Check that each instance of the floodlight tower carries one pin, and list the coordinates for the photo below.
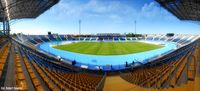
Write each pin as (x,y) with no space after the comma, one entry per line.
(79,27)
(135,27)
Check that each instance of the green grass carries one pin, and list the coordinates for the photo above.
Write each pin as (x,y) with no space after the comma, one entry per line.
(108,48)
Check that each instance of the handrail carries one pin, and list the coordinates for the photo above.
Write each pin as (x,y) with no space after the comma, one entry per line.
(100,85)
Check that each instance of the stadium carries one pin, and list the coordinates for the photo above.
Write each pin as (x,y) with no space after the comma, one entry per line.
(97,61)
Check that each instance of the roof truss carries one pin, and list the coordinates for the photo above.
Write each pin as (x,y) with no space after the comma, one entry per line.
(183,9)
(18,9)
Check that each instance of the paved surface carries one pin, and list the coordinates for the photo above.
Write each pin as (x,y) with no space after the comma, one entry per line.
(10,75)
(116,83)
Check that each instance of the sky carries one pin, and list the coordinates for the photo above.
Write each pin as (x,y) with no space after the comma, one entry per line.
(105,16)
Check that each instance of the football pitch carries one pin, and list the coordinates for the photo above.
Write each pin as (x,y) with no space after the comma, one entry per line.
(107,48)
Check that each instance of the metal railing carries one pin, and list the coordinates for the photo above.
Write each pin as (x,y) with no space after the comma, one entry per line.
(100,86)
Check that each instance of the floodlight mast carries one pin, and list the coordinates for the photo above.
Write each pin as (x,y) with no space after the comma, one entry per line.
(79,27)
(135,27)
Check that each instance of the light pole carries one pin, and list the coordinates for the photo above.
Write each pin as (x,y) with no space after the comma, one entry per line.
(135,27)
(79,27)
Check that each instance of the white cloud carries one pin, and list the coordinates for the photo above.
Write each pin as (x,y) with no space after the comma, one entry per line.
(114,10)
(92,8)
(103,7)
(152,10)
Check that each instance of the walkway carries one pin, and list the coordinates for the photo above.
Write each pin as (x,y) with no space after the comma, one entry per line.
(116,83)
(10,75)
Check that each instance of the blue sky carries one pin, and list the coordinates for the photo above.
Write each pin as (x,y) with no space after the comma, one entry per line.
(105,16)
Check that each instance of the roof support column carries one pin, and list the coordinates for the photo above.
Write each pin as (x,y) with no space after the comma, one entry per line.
(7,28)
(4,30)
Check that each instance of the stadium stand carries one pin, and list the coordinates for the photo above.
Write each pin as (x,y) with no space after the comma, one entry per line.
(62,37)
(43,38)
(37,39)
(61,77)
(53,75)
(4,50)
(177,69)
(20,77)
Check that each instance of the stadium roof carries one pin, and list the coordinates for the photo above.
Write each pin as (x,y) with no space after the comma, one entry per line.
(18,9)
(183,9)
